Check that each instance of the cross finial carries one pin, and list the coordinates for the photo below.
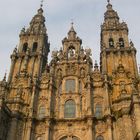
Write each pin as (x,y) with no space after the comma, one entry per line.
(108,1)
(72,23)
(41,5)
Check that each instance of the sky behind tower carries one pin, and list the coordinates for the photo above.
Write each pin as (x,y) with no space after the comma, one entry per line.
(87,16)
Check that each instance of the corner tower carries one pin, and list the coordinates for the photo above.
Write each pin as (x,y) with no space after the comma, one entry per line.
(29,60)
(31,54)
(115,45)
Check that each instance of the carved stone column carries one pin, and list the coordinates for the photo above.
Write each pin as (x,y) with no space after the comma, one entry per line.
(136,112)
(39,63)
(13,61)
(109,123)
(27,135)
(20,64)
(135,62)
(90,130)
(47,131)
(13,129)
(104,62)
(89,88)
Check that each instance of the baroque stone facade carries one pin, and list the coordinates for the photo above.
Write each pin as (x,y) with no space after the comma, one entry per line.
(69,98)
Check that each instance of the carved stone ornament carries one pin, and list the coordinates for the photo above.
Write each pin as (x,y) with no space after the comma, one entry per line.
(100,127)
(71,69)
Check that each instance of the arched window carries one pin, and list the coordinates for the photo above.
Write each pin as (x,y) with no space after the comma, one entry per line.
(42,111)
(70,85)
(70,109)
(111,43)
(25,46)
(98,111)
(75,138)
(64,138)
(35,45)
(100,138)
(121,42)
(71,52)
(72,138)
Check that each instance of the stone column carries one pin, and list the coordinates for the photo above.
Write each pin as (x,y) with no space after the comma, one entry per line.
(20,64)
(27,135)
(109,123)
(106,97)
(39,64)
(25,62)
(47,133)
(136,112)
(135,63)
(90,130)
(88,97)
(13,61)
(29,122)
(13,130)
(33,64)
(104,62)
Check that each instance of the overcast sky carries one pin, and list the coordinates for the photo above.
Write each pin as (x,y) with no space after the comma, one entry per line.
(86,14)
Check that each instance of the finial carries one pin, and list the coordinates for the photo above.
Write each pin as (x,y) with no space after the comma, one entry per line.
(108,1)
(4,78)
(41,5)
(72,28)
(72,23)
(96,66)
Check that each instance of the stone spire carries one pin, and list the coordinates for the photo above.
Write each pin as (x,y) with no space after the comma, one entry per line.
(111,13)
(37,24)
(111,19)
(72,33)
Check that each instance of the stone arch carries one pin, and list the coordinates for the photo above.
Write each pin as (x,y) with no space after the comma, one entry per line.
(66,137)
(71,51)
(111,42)
(34,47)
(25,46)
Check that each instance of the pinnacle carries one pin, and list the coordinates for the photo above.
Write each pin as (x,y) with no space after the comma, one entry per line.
(72,28)
(72,32)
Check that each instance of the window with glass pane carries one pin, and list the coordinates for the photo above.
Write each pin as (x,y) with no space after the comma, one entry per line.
(98,111)
(42,111)
(70,85)
(70,109)
(74,138)
(80,87)
(100,138)
(64,138)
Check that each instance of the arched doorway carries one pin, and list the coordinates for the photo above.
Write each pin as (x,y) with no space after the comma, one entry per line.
(69,138)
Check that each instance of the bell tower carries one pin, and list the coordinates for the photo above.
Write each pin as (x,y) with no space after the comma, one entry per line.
(31,54)
(118,62)
(115,45)
(28,62)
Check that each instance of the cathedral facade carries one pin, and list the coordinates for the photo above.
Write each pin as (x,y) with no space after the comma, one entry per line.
(70,98)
